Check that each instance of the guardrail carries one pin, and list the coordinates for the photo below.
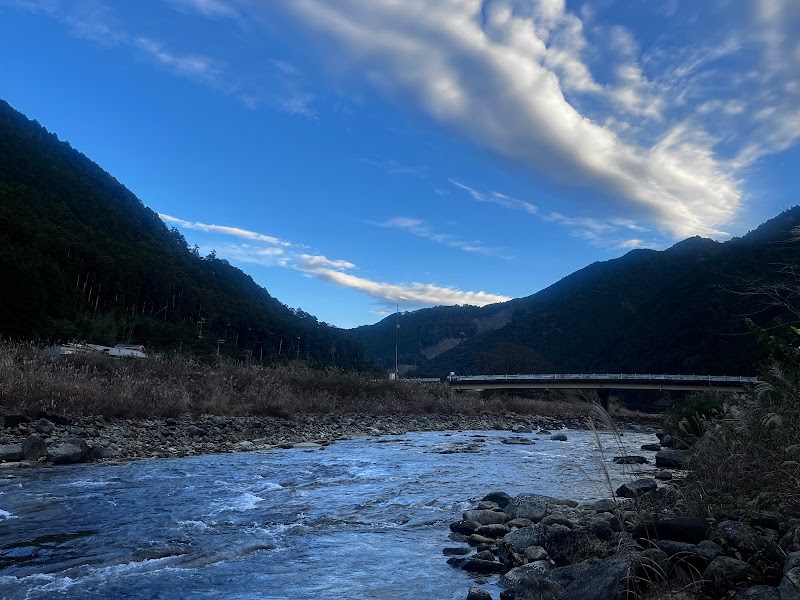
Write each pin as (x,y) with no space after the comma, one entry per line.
(605,377)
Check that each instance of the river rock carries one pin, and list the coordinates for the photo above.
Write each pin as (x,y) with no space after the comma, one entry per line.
(466,527)
(195,431)
(34,448)
(634,489)
(44,426)
(523,538)
(485,517)
(726,573)
(604,505)
(64,453)
(12,418)
(694,555)
(456,551)
(669,458)
(570,547)
(476,593)
(518,523)
(530,506)
(632,459)
(790,584)
(534,553)
(494,530)
(501,498)
(651,447)
(11,453)
(758,592)
(476,565)
(662,475)
(559,437)
(602,580)
(739,536)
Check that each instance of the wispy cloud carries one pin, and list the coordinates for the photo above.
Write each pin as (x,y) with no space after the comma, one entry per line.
(409,295)
(393,167)
(497,198)
(193,66)
(280,253)
(420,229)
(207,8)
(224,230)
(518,78)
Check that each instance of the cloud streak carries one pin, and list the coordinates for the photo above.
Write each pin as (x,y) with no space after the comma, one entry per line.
(515,77)
(420,229)
(285,254)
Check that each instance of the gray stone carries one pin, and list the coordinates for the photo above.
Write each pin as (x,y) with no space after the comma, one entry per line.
(559,437)
(34,448)
(534,553)
(739,536)
(485,517)
(64,453)
(530,581)
(484,555)
(662,475)
(517,523)
(522,429)
(601,528)
(726,573)
(557,520)
(634,489)
(487,505)
(479,540)
(535,535)
(697,556)
(195,431)
(630,460)
(101,452)
(758,592)
(509,555)
(456,551)
(476,593)
(494,530)
(44,426)
(790,583)
(605,505)
(669,458)
(530,506)
(11,453)
(570,547)
(476,565)
(601,580)
(13,418)
(501,498)
(466,527)
(651,447)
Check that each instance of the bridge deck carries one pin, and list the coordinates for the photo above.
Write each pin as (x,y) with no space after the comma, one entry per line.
(639,381)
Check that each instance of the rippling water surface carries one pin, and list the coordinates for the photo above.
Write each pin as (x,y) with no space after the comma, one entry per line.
(365,518)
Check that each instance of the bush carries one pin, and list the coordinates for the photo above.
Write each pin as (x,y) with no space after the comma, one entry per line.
(688,418)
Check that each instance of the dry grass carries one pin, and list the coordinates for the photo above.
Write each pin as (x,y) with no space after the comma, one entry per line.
(94,384)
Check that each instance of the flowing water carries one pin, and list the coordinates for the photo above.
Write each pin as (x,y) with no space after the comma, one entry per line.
(365,518)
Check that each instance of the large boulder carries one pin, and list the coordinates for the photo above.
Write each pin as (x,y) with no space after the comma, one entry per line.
(606,579)
(570,547)
(12,418)
(631,459)
(669,458)
(11,452)
(790,584)
(500,498)
(64,453)
(495,530)
(634,489)
(530,506)
(44,426)
(535,535)
(726,573)
(465,527)
(758,592)
(485,517)
(476,593)
(34,448)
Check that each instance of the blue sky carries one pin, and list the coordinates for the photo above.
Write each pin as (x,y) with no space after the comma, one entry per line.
(355,154)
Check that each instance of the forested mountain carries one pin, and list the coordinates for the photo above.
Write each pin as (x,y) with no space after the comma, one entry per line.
(82,258)
(680,310)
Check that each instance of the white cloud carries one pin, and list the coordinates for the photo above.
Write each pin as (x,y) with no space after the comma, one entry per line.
(283,254)
(498,73)
(420,229)
(208,8)
(193,66)
(497,198)
(224,230)
(413,295)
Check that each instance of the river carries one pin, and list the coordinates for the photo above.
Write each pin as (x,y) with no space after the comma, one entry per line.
(364,518)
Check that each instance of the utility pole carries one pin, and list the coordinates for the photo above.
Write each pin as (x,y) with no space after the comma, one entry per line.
(396,332)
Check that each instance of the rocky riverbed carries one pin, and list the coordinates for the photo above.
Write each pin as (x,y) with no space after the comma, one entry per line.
(630,546)
(44,438)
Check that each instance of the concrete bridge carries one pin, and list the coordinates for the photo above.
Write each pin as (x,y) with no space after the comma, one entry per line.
(602,382)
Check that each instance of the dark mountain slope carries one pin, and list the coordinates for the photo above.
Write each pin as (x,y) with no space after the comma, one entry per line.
(82,257)
(680,311)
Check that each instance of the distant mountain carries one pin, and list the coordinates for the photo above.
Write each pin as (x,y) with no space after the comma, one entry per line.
(680,310)
(82,258)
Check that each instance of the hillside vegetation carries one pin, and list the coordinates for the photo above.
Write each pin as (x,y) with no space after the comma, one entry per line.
(82,258)
(681,310)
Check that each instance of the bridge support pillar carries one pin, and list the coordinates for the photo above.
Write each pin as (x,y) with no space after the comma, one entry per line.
(603,395)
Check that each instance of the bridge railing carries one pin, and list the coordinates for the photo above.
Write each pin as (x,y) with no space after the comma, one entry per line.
(605,377)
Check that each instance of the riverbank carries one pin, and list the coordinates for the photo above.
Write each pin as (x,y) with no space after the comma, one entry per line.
(51,438)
